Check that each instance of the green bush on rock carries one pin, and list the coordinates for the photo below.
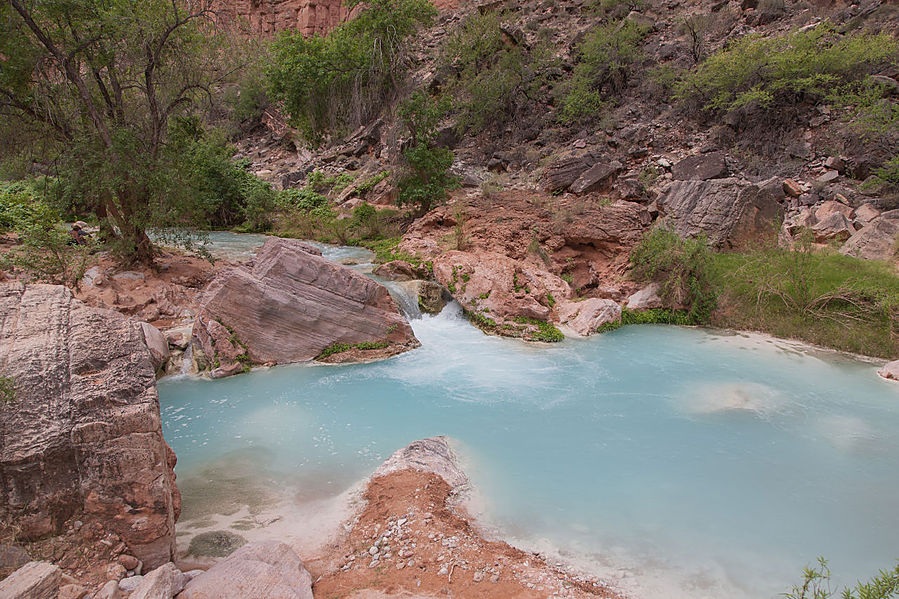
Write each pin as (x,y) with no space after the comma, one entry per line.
(681,267)
(334,82)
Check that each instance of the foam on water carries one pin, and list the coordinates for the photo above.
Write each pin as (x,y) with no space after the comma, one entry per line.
(680,462)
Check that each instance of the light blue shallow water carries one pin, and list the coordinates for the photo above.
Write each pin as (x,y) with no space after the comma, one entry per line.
(703,464)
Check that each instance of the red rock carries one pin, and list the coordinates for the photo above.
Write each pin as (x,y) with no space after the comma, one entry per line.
(792,188)
(83,435)
(288,307)
(267,17)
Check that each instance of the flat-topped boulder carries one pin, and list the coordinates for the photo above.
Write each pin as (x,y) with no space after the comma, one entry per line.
(81,435)
(290,305)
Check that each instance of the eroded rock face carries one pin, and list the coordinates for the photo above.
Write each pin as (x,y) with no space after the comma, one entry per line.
(267,17)
(82,435)
(291,305)
(730,211)
(261,569)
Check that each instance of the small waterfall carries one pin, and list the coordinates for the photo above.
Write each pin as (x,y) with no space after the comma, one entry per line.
(405,294)
(187,359)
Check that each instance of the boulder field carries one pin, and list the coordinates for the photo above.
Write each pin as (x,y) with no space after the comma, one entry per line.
(80,430)
(291,305)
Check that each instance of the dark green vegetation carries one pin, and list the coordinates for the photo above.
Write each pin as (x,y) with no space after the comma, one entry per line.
(7,389)
(816,585)
(805,293)
(605,63)
(45,252)
(339,81)
(426,179)
(94,88)
(339,348)
(781,70)
(496,79)
(681,267)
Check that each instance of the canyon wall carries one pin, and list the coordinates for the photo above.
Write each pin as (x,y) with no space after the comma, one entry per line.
(267,17)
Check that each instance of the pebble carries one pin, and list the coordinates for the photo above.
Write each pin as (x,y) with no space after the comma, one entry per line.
(478,576)
(400,565)
(373,550)
(374,563)
(443,571)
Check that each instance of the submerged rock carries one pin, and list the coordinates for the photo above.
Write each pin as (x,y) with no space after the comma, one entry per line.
(217,543)
(261,569)
(427,455)
(82,433)
(290,306)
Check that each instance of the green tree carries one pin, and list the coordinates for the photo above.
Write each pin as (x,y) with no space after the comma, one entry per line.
(427,178)
(97,82)
(329,83)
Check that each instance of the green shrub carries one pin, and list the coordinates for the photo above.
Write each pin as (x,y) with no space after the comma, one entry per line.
(497,79)
(816,585)
(605,63)
(7,389)
(681,267)
(771,72)
(888,174)
(820,297)
(46,252)
(341,80)
(426,180)
(223,192)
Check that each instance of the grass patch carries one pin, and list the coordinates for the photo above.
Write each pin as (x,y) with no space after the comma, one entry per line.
(823,298)
(7,389)
(339,348)
(546,331)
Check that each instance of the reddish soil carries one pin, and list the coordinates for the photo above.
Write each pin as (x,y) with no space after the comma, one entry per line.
(163,295)
(427,547)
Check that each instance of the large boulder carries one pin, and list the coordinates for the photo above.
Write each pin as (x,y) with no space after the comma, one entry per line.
(559,175)
(876,241)
(267,569)
(586,316)
(82,435)
(427,455)
(596,177)
(731,212)
(701,167)
(34,580)
(289,306)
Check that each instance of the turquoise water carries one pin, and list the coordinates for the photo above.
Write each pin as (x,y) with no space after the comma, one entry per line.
(688,462)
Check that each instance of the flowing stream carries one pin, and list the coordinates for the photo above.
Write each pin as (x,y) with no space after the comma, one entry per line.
(679,462)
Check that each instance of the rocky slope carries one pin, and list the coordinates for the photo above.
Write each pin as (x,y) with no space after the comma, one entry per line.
(291,305)
(549,211)
(81,435)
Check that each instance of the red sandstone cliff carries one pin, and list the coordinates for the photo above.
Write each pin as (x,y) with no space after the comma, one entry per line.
(267,17)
